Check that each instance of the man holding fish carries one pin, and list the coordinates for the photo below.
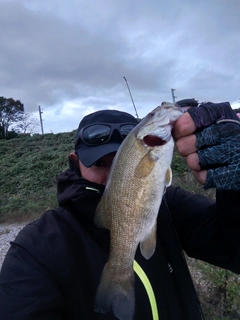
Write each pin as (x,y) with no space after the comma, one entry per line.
(114,247)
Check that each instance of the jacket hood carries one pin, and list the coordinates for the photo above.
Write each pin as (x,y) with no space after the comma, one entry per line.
(79,194)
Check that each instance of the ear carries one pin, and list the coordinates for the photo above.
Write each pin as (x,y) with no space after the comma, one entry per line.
(74,162)
(73,156)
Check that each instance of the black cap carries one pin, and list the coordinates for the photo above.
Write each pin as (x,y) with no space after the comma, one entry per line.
(188,102)
(87,154)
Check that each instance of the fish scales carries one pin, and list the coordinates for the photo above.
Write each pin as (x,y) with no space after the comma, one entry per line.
(129,206)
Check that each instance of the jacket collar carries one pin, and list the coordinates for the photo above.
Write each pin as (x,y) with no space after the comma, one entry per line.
(81,195)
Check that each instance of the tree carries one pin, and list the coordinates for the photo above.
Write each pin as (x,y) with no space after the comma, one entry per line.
(27,124)
(11,111)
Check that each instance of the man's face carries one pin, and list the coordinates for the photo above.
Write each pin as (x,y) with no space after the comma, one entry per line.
(98,172)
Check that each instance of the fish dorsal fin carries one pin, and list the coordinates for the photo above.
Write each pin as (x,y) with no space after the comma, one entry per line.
(99,217)
(148,245)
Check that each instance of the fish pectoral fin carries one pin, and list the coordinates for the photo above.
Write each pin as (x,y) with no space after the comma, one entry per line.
(168,177)
(144,167)
(168,180)
(148,245)
(99,217)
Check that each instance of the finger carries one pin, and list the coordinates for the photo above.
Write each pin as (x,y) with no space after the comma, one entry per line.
(214,134)
(223,154)
(193,162)
(200,176)
(186,145)
(224,178)
(183,126)
(208,137)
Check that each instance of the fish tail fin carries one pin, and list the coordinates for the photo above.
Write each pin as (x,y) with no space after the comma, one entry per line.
(116,294)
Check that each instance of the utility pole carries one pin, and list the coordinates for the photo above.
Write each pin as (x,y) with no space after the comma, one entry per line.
(131,98)
(173,96)
(40,115)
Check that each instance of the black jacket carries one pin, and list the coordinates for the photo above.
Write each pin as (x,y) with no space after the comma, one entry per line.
(53,267)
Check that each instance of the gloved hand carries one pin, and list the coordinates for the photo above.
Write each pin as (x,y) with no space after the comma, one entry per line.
(209,113)
(217,142)
(219,153)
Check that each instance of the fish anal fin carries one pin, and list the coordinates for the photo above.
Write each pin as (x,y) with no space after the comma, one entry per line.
(144,167)
(148,245)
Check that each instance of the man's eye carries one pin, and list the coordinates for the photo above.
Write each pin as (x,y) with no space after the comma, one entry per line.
(99,163)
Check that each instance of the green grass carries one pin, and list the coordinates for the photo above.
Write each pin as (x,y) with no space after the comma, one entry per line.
(29,166)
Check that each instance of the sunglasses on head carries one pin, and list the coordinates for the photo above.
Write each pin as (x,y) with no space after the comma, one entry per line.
(100,133)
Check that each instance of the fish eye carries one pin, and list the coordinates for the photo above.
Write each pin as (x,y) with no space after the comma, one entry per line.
(151,115)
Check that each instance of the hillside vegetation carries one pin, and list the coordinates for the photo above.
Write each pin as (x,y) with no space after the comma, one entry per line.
(29,166)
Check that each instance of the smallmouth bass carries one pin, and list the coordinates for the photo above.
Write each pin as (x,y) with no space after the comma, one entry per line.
(129,207)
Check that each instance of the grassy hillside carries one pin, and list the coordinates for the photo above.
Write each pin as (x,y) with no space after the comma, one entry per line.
(29,165)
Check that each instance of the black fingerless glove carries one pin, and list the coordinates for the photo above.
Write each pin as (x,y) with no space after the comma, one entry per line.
(209,113)
(219,153)
(218,143)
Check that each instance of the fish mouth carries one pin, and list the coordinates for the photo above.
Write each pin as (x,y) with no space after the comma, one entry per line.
(153,141)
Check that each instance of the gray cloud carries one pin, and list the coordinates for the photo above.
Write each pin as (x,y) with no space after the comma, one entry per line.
(57,53)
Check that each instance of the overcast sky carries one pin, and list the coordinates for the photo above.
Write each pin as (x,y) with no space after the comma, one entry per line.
(70,56)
